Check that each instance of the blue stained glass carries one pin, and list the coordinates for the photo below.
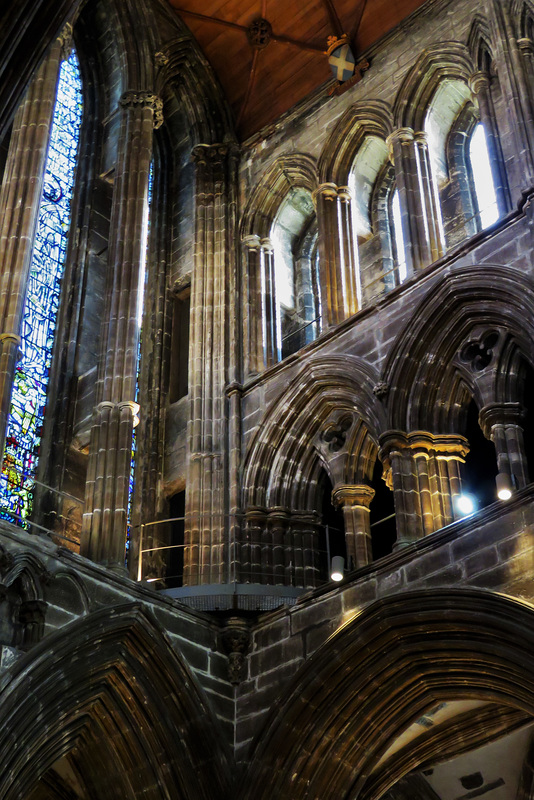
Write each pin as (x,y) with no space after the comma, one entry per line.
(28,399)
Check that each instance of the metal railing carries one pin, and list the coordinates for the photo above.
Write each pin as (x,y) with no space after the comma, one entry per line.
(60,511)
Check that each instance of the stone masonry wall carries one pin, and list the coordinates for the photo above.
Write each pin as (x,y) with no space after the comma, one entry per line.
(492,551)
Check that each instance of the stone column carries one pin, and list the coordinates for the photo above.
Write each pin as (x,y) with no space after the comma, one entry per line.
(480,85)
(356,501)
(253,314)
(278,521)
(421,226)
(423,471)
(502,423)
(211,357)
(114,417)
(429,191)
(19,207)
(272,346)
(510,67)
(338,262)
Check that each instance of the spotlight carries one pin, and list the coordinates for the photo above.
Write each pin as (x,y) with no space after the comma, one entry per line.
(465,504)
(338,565)
(504,486)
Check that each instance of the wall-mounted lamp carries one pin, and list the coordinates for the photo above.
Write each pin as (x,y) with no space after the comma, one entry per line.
(465,504)
(504,486)
(336,571)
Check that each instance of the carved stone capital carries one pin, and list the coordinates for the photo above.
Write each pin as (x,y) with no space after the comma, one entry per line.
(266,245)
(132,100)
(326,190)
(359,495)
(526,46)
(213,154)
(403,137)
(344,193)
(500,414)
(251,242)
(236,641)
(479,82)
(422,443)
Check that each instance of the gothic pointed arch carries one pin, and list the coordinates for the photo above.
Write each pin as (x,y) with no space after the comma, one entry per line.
(370,118)
(522,11)
(287,172)
(374,677)
(184,74)
(430,373)
(450,60)
(111,684)
(328,413)
(479,43)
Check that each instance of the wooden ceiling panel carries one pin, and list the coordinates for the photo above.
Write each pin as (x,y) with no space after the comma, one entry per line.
(285,73)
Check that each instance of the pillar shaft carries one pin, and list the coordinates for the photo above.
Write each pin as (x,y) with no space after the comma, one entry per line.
(502,423)
(510,67)
(272,346)
(19,208)
(338,262)
(211,364)
(423,471)
(107,486)
(355,501)
(481,88)
(421,224)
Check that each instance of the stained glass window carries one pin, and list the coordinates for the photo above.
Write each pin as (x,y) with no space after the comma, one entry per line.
(28,399)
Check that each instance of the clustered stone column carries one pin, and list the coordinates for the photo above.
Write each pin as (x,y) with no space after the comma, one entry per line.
(339,256)
(19,207)
(280,547)
(355,502)
(513,76)
(480,85)
(264,346)
(421,223)
(502,423)
(114,417)
(423,470)
(207,553)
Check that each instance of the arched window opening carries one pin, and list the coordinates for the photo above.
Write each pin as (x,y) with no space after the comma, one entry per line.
(379,235)
(397,237)
(460,162)
(480,469)
(28,400)
(294,238)
(485,196)
(332,535)
(382,515)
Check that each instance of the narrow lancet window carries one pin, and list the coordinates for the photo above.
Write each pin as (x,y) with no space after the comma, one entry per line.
(482,178)
(28,398)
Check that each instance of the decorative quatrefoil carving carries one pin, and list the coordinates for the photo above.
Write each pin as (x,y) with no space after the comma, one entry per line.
(335,434)
(478,354)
